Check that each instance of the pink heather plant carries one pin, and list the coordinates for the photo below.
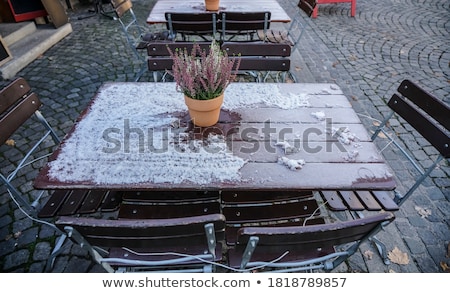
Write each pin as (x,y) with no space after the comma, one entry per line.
(201,75)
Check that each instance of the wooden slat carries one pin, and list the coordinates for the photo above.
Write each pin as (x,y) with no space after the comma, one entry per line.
(112,201)
(368,200)
(351,200)
(385,200)
(250,196)
(20,113)
(430,104)
(169,196)
(73,202)
(439,138)
(333,200)
(54,203)
(92,201)
(14,91)
(148,211)
(269,212)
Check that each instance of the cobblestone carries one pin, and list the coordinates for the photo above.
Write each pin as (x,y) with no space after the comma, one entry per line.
(367,56)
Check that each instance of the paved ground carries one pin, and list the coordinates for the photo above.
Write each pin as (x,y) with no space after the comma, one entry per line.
(367,56)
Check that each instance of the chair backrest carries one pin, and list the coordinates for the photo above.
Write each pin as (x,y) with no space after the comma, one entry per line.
(243,23)
(130,25)
(203,25)
(167,204)
(303,245)
(307,6)
(159,59)
(260,56)
(429,116)
(156,244)
(17,104)
(256,208)
(426,113)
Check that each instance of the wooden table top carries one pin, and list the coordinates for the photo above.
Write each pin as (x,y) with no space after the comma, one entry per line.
(297,136)
(162,6)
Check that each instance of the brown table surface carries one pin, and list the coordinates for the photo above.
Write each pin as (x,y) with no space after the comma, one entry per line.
(137,136)
(162,6)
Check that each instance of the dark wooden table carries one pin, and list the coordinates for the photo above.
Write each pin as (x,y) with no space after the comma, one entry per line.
(161,6)
(137,136)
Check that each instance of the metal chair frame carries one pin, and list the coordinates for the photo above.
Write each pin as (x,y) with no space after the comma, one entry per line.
(133,31)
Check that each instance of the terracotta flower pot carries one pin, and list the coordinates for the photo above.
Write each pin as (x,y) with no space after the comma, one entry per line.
(204,112)
(212,5)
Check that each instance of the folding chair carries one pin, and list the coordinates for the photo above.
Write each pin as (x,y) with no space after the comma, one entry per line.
(286,232)
(155,231)
(237,24)
(297,248)
(187,244)
(203,25)
(135,34)
(295,31)
(17,104)
(429,116)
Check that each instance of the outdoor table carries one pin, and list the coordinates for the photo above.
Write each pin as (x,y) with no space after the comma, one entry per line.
(290,136)
(195,6)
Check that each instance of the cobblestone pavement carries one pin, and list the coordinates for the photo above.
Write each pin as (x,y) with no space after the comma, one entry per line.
(367,56)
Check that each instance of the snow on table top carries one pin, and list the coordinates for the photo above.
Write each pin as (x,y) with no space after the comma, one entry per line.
(104,147)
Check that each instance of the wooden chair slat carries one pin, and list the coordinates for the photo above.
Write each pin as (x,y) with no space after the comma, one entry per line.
(430,104)
(111,201)
(439,138)
(169,196)
(368,200)
(333,200)
(351,200)
(249,196)
(13,92)
(53,204)
(268,213)
(14,118)
(384,198)
(73,202)
(150,211)
(92,201)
